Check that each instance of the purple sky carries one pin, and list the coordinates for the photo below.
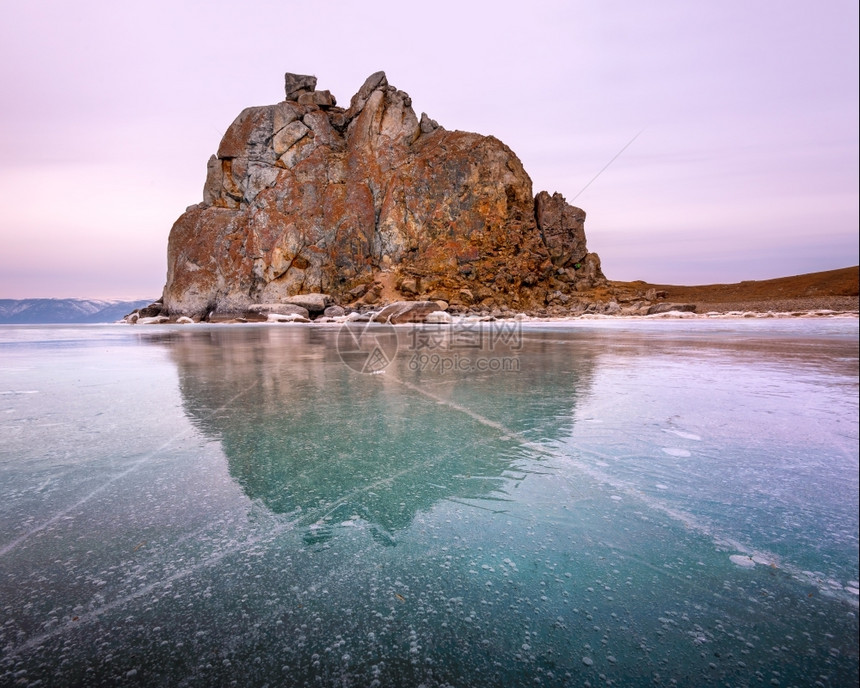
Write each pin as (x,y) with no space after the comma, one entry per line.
(745,168)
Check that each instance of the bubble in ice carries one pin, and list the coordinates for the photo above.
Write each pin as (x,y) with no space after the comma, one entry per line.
(661,486)
(676,451)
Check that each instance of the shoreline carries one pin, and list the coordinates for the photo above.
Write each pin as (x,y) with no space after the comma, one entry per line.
(525,318)
(820,294)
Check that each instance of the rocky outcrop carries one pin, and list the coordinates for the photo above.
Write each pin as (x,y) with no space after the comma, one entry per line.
(562,228)
(314,303)
(667,307)
(401,312)
(307,197)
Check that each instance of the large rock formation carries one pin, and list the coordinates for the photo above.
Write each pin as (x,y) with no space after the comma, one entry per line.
(307,197)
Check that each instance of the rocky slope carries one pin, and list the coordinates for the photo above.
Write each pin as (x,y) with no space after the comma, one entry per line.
(367,204)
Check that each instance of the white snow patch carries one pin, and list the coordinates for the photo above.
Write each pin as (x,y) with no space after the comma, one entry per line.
(742,560)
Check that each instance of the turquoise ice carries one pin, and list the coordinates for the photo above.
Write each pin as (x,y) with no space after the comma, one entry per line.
(633,503)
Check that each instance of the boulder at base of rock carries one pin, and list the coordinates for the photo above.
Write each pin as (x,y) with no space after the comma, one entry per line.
(151,310)
(288,318)
(666,307)
(315,303)
(401,312)
(278,309)
(438,317)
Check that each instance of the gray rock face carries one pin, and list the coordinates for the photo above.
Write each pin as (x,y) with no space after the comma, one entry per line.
(214,181)
(289,136)
(296,84)
(249,135)
(375,81)
(151,310)
(562,227)
(314,303)
(428,126)
(590,273)
(323,99)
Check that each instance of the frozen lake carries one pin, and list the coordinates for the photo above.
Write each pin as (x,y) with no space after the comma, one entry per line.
(593,503)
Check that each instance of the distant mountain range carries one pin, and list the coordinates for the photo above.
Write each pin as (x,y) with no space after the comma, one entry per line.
(48,311)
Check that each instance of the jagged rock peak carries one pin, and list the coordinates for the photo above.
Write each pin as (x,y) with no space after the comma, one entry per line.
(428,125)
(369,203)
(296,84)
(375,81)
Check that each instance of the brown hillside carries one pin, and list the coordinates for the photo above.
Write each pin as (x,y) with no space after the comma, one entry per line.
(832,290)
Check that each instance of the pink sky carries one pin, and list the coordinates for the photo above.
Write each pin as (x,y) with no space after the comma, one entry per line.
(745,168)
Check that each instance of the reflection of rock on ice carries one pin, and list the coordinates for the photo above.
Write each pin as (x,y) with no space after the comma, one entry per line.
(317,533)
(306,435)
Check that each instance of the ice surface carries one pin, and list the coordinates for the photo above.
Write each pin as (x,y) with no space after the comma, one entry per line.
(208,505)
(685,435)
(677,451)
